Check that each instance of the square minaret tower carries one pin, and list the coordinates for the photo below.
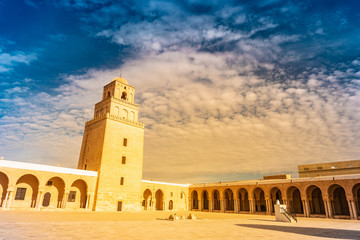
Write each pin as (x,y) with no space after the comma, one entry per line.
(113,145)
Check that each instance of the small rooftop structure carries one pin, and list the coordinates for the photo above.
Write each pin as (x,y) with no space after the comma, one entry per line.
(329,169)
(279,176)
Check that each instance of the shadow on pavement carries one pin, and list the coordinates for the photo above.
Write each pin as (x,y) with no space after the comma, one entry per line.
(309,231)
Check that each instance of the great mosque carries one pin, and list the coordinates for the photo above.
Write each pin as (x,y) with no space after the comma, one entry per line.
(109,177)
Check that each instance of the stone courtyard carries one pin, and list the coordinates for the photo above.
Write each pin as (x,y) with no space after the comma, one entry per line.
(154,225)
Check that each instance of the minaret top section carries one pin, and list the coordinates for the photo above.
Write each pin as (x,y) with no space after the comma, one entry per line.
(119,89)
(120,79)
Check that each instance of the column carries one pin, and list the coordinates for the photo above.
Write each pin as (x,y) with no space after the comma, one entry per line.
(326,209)
(252,205)
(6,199)
(307,208)
(87,201)
(236,205)
(200,205)
(10,198)
(40,200)
(210,204)
(266,205)
(329,207)
(285,201)
(222,207)
(354,210)
(350,209)
(271,206)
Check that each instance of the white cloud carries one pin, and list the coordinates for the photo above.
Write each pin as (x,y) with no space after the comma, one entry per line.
(204,116)
(9,60)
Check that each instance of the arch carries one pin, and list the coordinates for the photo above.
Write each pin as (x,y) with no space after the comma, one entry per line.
(259,198)
(275,195)
(30,183)
(124,96)
(147,195)
(132,116)
(338,200)
(356,195)
(46,200)
(4,184)
(229,199)
(124,113)
(195,201)
(56,187)
(244,200)
(79,189)
(171,205)
(294,198)
(182,204)
(316,202)
(205,200)
(159,198)
(116,111)
(216,200)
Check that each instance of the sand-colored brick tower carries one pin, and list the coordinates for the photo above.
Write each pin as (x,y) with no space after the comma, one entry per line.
(113,145)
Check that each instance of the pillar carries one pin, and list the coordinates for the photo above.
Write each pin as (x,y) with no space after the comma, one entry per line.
(6,199)
(210,204)
(40,199)
(350,209)
(252,205)
(222,206)
(307,208)
(286,203)
(88,201)
(65,198)
(10,198)
(326,209)
(200,204)
(236,205)
(355,214)
(271,206)
(266,205)
(329,207)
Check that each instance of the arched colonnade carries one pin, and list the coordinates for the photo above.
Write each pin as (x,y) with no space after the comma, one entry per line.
(327,199)
(30,190)
(162,200)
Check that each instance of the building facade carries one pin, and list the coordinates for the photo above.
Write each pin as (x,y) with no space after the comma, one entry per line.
(109,177)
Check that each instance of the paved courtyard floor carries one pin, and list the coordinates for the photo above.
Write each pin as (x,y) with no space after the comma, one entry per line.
(152,225)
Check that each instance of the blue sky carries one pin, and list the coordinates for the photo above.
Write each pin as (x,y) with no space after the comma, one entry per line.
(236,89)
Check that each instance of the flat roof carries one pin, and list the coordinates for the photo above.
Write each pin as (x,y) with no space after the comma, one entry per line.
(165,183)
(45,168)
(272,181)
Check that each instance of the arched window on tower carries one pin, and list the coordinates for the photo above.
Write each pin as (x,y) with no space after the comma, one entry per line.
(132,116)
(116,111)
(124,114)
(123,96)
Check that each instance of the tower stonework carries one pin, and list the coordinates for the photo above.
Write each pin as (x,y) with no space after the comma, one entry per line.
(113,145)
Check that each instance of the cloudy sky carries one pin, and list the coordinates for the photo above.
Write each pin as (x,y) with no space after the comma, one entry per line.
(229,90)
